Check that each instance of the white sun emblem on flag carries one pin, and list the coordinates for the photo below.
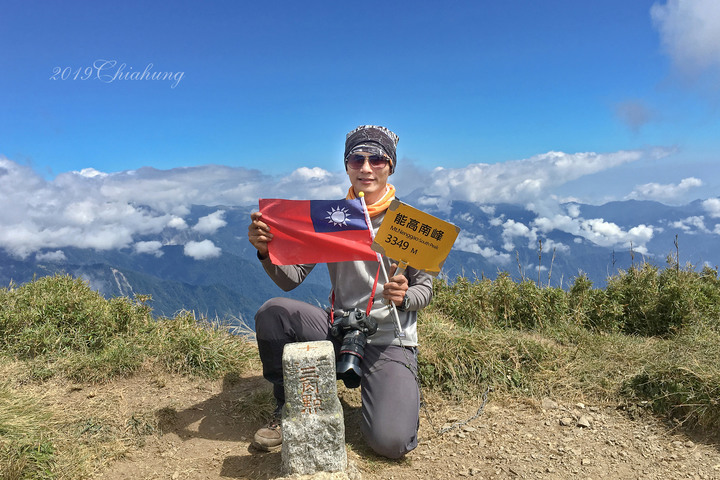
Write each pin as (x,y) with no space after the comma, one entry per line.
(338,216)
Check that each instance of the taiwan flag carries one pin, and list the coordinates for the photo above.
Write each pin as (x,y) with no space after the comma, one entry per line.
(316,231)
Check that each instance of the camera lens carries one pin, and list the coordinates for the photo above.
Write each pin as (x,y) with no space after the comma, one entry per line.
(353,327)
(351,353)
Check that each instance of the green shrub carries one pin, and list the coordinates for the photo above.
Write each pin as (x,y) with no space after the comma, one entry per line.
(62,314)
(58,324)
(709,298)
(593,308)
(663,303)
(538,307)
(681,387)
(637,290)
(122,356)
(458,360)
(503,293)
(185,345)
(464,301)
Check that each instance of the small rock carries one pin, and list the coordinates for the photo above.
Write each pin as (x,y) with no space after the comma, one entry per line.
(474,471)
(584,421)
(689,444)
(580,406)
(585,462)
(566,421)
(548,404)
(468,429)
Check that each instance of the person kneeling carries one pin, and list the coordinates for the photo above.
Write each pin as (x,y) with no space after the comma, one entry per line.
(388,371)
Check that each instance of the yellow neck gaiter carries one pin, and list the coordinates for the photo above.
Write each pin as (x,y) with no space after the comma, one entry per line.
(381,205)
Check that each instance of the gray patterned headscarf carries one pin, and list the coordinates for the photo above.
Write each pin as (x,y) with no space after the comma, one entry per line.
(372,139)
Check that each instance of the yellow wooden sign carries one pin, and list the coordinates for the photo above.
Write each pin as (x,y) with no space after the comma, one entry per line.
(413,237)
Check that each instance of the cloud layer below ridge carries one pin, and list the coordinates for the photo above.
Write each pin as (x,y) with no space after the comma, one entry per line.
(124,210)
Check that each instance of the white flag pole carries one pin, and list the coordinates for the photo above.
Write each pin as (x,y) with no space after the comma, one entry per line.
(398,328)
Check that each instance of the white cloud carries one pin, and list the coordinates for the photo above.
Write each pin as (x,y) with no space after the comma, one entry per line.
(177,223)
(92,209)
(489,209)
(512,229)
(573,210)
(465,217)
(202,250)
(524,181)
(152,248)
(210,224)
(712,206)
(608,234)
(474,244)
(690,32)
(691,224)
(434,201)
(556,222)
(497,221)
(667,192)
(313,183)
(56,256)
(596,230)
(91,173)
(640,234)
(548,245)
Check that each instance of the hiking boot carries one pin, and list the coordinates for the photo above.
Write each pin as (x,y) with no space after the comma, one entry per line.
(269,437)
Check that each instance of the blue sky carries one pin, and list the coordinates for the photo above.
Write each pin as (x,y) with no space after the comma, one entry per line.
(262,94)
(278,86)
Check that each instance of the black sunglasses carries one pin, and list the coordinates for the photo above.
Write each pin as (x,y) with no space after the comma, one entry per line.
(357,160)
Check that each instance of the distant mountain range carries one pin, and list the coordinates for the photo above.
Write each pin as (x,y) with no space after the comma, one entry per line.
(595,240)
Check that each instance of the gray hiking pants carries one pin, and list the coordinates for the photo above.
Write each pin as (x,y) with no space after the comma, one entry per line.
(389,390)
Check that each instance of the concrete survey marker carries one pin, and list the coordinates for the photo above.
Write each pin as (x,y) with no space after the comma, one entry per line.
(313,425)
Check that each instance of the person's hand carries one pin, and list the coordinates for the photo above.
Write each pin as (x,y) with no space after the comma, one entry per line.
(394,290)
(259,234)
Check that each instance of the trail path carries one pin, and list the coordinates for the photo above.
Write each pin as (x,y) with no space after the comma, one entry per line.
(209,439)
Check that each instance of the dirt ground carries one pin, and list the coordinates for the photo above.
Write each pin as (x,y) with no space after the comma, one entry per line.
(206,438)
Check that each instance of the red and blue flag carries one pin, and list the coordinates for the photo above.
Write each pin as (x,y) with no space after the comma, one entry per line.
(317,231)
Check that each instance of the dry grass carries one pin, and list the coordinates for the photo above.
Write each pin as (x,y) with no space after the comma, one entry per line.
(60,345)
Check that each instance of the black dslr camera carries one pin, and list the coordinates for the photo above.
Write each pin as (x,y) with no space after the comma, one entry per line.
(353,327)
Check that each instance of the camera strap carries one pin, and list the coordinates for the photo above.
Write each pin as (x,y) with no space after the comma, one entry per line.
(370,301)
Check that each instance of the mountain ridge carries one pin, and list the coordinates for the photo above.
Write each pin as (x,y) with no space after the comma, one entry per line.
(494,238)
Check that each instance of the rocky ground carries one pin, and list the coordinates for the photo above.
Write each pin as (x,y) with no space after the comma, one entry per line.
(206,436)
